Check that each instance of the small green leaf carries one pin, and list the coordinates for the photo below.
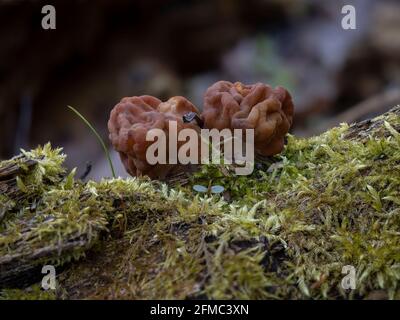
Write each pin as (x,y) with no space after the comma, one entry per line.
(303,287)
(381,280)
(393,199)
(376,203)
(392,130)
(69,182)
(21,185)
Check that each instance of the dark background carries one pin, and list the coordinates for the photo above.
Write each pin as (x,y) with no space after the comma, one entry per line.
(103,50)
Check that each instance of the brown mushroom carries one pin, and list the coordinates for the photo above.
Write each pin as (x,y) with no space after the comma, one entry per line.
(133,117)
(237,106)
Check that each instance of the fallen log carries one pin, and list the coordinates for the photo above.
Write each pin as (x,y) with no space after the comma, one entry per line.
(287,231)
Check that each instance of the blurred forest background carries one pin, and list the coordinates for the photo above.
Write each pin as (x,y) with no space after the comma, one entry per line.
(104,50)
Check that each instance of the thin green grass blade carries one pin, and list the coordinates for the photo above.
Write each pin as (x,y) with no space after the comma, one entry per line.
(98,138)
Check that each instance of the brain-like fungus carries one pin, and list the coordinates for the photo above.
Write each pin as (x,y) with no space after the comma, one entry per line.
(269,111)
(130,121)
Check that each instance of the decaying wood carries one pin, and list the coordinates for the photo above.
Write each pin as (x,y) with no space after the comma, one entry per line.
(367,108)
(373,105)
(8,181)
(8,174)
(361,130)
(18,269)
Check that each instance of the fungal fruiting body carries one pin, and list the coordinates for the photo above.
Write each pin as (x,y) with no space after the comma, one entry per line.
(263,113)
(130,121)
(269,111)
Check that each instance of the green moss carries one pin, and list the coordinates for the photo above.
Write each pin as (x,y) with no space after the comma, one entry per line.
(286,231)
(31,293)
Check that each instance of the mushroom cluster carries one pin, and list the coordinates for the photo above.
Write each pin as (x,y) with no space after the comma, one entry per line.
(269,111)
(266,110)
(133,117)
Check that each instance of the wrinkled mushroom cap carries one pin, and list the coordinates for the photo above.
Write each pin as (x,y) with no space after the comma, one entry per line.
(237,106)
(133,117)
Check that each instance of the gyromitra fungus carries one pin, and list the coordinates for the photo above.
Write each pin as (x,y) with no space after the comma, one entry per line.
(236,106)
(133,117)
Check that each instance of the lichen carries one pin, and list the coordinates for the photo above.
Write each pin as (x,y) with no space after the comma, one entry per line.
(284,232)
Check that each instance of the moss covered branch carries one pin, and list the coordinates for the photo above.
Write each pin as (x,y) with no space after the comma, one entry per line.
(286,231)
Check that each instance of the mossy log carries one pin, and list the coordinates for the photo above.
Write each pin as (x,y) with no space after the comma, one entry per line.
(286,231)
